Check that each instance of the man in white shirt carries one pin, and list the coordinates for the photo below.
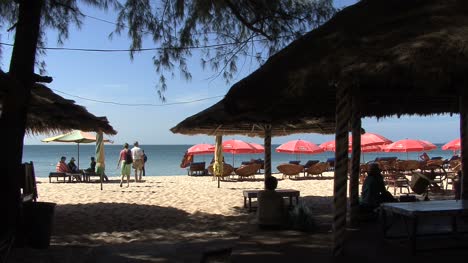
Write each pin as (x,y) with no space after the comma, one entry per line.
(138,162)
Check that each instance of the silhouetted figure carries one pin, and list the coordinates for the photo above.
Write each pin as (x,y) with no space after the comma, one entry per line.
(271,213)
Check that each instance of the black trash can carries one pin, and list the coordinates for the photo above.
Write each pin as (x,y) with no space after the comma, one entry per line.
(38,223)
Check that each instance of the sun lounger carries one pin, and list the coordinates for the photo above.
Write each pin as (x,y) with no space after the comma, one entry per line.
(290,169)
(317,169)
(197,168)
(247,171)
(227,170)
(57,175)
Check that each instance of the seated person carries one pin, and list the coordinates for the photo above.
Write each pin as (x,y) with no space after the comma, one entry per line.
(373,190)
(72,166)
(92,166)
(424,157)
(271,213)
(61,166)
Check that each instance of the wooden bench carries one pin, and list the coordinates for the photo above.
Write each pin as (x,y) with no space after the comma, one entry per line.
(57,175)
(249,194)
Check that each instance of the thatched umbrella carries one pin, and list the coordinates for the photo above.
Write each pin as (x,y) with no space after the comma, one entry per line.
(399,57)
(217,121)
(375,58)
(51,113)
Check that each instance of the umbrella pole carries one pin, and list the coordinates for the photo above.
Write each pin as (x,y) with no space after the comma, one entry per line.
(78,156)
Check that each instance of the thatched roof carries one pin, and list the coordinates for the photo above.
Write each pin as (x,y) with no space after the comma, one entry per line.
(399,57)
(216,121)
(51,113)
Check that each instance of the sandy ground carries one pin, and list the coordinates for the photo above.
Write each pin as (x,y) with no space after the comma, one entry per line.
(162,219)
(165,214)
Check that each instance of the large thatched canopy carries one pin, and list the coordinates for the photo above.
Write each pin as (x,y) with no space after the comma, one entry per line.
(49,113)
(399,57)
(215,120)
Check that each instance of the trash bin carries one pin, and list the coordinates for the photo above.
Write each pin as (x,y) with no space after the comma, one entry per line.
(38,223)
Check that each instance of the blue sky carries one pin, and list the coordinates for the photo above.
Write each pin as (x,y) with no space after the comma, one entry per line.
(114,77)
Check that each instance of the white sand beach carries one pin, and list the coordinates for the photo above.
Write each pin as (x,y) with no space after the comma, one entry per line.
(162,219)
(167,213)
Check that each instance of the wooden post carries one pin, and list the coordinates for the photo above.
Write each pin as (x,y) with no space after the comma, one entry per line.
(15,107)
(343,110)
(267,146)
(356,156)
(464,144)
(218,164)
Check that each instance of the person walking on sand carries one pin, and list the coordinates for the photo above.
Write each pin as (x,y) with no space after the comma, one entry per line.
(125,162)
(138,163)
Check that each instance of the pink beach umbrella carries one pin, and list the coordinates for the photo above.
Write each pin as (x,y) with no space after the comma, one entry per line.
(409,145)
(238,147)
(258,147)
(367,139)
(202,148)
(453,145)
(298,147)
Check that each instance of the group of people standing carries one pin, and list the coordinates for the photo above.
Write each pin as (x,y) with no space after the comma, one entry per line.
(134,158)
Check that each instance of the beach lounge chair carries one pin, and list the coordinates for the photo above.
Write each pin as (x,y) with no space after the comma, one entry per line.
(197,168)
(227,170)
(290,169)
(317,169)
(57,175)
(88,175)
(331,163)
(247,171)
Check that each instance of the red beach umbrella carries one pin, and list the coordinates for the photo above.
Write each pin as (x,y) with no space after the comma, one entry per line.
(409,145)
(367,139)
(453,145)
(258,147)
(202,148)
(299,146)
(238,147)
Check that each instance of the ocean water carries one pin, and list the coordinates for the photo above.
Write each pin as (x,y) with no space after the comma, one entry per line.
(165,159)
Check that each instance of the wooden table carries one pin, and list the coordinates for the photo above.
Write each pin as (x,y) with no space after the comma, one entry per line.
(283,192)
(412,212)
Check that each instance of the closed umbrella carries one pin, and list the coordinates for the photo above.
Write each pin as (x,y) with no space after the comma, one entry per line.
(75,136)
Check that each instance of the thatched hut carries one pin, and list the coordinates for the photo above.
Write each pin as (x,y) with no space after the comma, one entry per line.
(375,58)
(49,113)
